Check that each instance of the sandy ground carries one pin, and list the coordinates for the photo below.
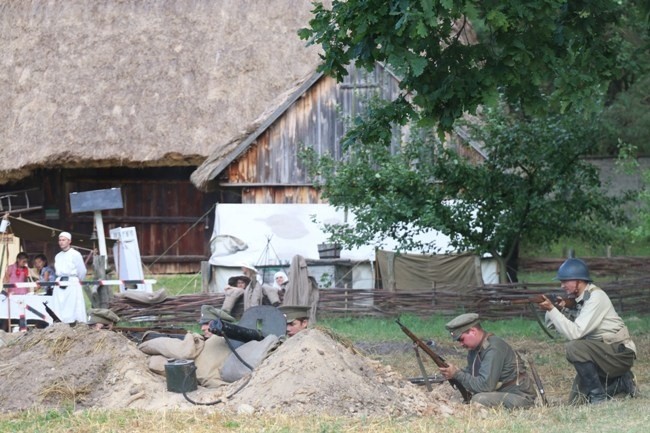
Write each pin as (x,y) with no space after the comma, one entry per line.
(311,373)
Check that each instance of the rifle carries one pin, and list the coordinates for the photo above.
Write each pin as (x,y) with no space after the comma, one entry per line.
(158,329)
(52,314)
(538,299)
(140,334)
(440,362)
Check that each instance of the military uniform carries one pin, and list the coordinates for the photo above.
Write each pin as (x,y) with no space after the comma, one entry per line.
(103,316)
(495,374)
(597,335)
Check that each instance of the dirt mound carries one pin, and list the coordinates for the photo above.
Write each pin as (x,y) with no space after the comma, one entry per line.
(310,373)
(78,367)
(313,373)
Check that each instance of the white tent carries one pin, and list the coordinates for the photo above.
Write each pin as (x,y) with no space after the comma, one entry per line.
(271,234)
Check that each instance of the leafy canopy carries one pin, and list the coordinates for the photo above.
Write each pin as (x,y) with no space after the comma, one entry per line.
(534,184)
(525,49)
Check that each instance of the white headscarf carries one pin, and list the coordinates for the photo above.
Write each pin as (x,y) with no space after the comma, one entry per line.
(275,277)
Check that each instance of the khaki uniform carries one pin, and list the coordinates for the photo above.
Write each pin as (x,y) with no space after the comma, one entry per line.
(496,375)
(597,334)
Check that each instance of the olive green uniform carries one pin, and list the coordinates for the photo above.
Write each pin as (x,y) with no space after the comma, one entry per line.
(496,375)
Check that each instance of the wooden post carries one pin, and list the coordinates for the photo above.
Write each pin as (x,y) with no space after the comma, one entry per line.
(206,276)
(104,293)
(99,296)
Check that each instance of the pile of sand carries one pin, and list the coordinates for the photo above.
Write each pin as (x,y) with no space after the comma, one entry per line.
(310,373)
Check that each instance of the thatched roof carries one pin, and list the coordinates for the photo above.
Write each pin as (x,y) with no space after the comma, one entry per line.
(224,155)
(136,83)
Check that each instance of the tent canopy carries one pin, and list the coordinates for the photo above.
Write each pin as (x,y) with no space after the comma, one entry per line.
(33,231)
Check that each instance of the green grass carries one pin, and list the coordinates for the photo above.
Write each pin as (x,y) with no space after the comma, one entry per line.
(616,417)
(583,249)
(180,284)
(385,329)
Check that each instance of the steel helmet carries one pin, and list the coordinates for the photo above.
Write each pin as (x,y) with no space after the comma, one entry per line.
(573,269)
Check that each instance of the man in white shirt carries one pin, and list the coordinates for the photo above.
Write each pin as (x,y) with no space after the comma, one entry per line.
(68,300)
(599,347)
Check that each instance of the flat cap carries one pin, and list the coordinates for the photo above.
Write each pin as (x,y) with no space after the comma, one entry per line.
(462,323)
(210,313)
(103,316)
(294,312)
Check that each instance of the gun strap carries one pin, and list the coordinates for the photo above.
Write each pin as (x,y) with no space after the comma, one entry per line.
(534,310)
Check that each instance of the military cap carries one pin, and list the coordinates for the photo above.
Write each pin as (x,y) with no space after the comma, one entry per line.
(232,281)
(294,312)
(103,316)
(462,323)
(210,313)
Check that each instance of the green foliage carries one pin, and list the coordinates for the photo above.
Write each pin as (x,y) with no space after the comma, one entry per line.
(524,49)
(627,119)
(533,185)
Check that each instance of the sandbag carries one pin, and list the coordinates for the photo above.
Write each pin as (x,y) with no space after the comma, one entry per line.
(252,352)
(210,361)
(173,348)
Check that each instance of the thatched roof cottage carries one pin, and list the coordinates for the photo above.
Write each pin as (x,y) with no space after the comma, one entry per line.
(136,94)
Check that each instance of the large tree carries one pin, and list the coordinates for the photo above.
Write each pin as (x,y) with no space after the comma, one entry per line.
(533,184)
(539,58)
(523,49)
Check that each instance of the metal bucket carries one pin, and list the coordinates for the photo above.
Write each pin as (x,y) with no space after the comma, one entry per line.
(181,375)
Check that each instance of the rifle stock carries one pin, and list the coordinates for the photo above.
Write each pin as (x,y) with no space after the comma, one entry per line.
(159,330)
(440,362)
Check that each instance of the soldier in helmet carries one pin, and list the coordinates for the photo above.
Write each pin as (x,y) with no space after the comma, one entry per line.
(599,348)
(495,374)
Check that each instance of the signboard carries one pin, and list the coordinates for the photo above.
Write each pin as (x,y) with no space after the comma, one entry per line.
(101,199)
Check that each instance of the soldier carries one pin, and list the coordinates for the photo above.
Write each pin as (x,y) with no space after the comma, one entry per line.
(495,374)
(297,318)
(599,348)
(102,318)
(210,313)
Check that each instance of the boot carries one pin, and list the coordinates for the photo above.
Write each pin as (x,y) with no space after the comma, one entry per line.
(590,382)
(624,384)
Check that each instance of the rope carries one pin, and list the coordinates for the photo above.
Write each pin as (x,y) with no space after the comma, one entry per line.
(183,235)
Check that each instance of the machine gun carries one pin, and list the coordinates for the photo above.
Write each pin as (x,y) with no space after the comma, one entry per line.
(440,362)
(234,332)
(255,324)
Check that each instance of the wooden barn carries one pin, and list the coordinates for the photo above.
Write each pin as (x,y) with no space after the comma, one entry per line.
(136,95)
(263,165)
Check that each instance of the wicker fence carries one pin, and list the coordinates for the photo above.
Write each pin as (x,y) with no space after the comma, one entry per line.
(492,302)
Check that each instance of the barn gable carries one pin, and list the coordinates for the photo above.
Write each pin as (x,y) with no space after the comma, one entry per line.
(263,166)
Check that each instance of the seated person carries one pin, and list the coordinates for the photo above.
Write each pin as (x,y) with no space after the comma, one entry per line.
(280,281)
(45,272)
(17,273)
(254,294)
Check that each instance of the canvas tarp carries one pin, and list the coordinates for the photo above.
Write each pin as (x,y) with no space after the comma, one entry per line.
(416,272)
(33,231)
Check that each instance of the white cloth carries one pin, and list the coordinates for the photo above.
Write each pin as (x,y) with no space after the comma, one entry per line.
(70,264)
(68,301)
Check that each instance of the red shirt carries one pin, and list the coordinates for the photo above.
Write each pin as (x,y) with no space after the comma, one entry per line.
(18,275)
